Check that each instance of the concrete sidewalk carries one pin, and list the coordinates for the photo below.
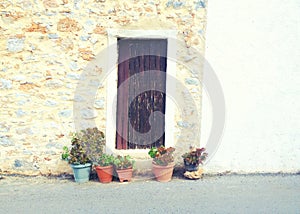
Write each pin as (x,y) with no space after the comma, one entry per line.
(278,193)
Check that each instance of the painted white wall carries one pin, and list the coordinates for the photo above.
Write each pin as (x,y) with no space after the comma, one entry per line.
(254,48)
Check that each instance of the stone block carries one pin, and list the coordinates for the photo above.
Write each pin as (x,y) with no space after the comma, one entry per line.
(15,44)
(65,113)
(18,163)
(99,104)
(6,141)
(5,84)
(88,113)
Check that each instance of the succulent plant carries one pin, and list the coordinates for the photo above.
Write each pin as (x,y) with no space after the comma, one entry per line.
(123,162)
(105,160)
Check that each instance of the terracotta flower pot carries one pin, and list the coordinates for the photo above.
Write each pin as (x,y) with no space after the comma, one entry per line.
(105,173)
(163,173)
(125,174)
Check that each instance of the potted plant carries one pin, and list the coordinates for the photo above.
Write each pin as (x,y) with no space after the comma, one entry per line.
(193,158)
(163,162)
(93,141)
(104,168)
(78,160)
(87,147)
(124,167)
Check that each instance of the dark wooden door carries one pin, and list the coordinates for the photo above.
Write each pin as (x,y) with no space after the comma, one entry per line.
(138,57)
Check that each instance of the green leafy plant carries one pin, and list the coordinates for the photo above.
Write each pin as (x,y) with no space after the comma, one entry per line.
(162,156)
(123,162)
(195,156)
(78,152)
(105,160)
(66,153)
(87,146)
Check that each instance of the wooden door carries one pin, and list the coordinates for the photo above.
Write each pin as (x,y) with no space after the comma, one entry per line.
(137,56)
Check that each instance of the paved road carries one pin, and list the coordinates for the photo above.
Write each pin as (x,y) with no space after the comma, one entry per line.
(212,194)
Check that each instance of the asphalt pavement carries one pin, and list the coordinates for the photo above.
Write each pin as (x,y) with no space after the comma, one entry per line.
(279,193)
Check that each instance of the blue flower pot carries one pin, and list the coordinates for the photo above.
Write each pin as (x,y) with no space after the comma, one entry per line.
(82,172)
(191,167)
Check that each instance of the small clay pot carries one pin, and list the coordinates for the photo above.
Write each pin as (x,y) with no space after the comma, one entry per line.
(124,174)
(163,173)
(105,173)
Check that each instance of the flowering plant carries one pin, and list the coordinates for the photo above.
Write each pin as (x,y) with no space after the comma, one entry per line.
(162,156)
(195,156)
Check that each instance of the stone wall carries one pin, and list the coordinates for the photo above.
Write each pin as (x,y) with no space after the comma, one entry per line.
(46,45)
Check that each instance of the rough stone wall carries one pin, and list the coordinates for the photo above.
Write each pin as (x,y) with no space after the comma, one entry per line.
(45,45)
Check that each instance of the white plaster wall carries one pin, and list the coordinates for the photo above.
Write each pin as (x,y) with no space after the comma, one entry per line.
(254,48)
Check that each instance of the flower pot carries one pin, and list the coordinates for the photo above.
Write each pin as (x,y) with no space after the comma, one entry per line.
(105,173)
(191,167)
(124,174)
(163,173)
(81,172)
